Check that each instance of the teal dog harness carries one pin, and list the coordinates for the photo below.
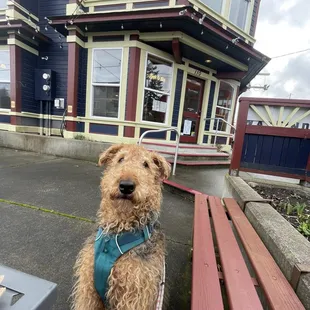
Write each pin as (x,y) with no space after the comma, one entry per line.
(109,248)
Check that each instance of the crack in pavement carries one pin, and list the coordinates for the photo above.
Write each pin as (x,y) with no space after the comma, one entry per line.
(178,242)
(27,206)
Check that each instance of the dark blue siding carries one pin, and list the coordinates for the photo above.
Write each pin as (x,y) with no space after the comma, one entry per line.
(80,127)
(31,5)
(57,57)
(210,105)
(177,102)
(104,129)
(277,154)
(29,63)
(153,135)
(82,82)
(5,119)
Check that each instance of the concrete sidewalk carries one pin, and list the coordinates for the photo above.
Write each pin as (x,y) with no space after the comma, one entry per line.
(45,244)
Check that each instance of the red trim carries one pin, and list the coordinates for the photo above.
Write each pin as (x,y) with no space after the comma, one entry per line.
(278,131)
(182,146)
(276,173)
(200,163)
(71,126)
(15,79)
(275,102)
(132,88)
(73,75)
(231,75)
(240,131)
(176,51)
(182,187)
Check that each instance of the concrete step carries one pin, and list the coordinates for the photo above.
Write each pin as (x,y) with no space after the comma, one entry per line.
(221,163)
(181,146)
(195,156)
(184,149)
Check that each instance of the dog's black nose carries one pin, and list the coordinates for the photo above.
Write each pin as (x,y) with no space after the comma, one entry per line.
(127,187)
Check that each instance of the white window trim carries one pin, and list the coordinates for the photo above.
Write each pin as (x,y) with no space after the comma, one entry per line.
(6,81)
(230,115)
(105,84)
(164,93)
(246,18)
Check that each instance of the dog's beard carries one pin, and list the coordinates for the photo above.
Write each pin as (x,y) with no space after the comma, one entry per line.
(131,200)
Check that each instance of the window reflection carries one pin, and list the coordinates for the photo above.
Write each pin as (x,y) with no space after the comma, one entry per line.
(157,90)
(224,106)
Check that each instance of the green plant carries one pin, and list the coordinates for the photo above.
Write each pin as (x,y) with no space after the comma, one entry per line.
(300,208)
(304,225)
(79,137)
(289,209)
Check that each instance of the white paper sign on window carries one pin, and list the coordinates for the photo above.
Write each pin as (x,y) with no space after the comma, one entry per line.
(159,106)
(187,127)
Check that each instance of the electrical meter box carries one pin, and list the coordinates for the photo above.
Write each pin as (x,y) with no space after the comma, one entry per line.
(45,84)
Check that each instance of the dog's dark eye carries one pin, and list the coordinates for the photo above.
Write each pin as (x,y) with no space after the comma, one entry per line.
(146,165)
(121,159)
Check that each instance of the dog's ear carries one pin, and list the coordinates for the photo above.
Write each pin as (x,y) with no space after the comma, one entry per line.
(108,155)
(163,165)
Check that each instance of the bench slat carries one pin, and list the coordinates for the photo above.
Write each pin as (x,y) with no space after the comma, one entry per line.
(277,289)
(206,291)
(239,286)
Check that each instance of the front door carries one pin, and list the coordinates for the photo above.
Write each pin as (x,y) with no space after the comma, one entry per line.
(192,110)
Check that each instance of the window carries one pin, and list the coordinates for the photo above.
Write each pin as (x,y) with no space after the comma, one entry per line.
(5,101)
(215,5)
(224,106)
(157,90)
(239,12)
(106,82)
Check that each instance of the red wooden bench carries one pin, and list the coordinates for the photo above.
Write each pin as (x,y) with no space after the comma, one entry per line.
(239,286)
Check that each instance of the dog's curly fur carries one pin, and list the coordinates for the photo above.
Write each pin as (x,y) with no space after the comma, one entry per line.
(135,278)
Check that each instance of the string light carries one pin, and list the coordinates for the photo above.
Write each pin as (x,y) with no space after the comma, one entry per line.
(202,32)
(122,27)
(161,25)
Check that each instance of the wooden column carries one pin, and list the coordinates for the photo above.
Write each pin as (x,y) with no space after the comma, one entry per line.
(15,81)
(132,87)
(239,137)
(73,77)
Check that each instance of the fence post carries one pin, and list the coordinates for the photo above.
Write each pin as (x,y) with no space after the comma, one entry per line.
(244,106)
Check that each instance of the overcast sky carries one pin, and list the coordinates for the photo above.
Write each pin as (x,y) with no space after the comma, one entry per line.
(284,27)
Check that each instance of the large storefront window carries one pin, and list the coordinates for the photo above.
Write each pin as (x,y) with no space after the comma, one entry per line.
(5,101)
(106,82)
(215,5)
(224,107)
(239,12)
(157,90)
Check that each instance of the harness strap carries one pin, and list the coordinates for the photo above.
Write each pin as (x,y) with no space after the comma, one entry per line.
(109,248)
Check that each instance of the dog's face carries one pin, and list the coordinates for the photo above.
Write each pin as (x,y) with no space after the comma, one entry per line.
(132,179)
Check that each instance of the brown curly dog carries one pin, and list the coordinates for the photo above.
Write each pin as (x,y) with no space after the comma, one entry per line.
(131,190)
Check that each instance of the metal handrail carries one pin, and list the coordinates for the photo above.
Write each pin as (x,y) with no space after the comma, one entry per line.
(217,125)
(177,142)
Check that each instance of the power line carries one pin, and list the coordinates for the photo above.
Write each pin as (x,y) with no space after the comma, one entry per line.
(293,53)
